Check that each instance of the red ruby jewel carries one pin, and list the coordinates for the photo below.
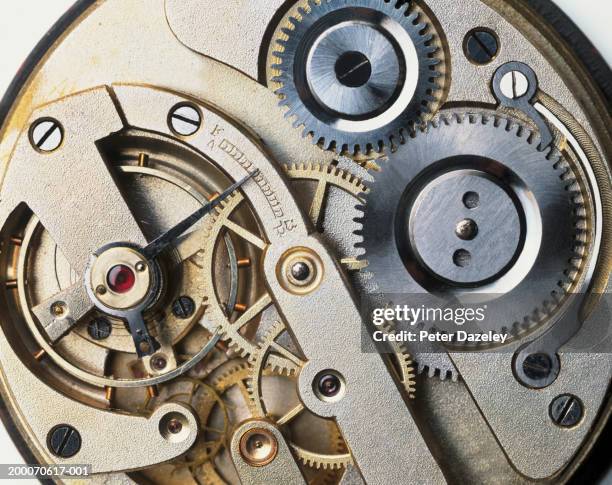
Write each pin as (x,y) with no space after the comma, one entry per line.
(121,279)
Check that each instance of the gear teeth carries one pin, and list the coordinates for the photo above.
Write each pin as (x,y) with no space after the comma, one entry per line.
(236,343)
(554,155)
(420,28)
(219,381)
(426,39)
(404,362)
(278,369)
(236,348)
(413,19)
(548,304)
(234,372)
(312,4)
(257,361)
(326,136)
(440,373)
(322,462)
(258,366)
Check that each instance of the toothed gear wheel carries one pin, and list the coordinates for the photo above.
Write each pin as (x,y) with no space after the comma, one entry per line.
(216,317)
(330,194)
(516,215)
(356,73)
(232,375)
(277,343)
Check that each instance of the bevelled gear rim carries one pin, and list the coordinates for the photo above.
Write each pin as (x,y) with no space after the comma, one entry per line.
(532,297)
(346,132)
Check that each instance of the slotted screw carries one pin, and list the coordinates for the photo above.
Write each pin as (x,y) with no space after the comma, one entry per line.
(64,441)
(46,134)
(566,410)
(537,366)
(481,46)
(183,307)
(185,119)
(514,85)
(99,328)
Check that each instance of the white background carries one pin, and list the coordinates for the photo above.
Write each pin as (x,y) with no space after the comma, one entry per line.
(24,22)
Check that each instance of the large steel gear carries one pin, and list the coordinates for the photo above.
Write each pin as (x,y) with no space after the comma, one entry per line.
(517,214)
(356,73)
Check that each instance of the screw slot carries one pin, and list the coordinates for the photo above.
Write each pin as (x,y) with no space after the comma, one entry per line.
(514,85)
(481,46)
(64,441)
(566,410)
(184,119)
(99,328)
(183,308)
(353,69)
(537,366)
(46,135)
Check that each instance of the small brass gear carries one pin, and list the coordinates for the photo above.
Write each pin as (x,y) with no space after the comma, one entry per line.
(206,396)
(329,191)
(218,315)
(277,342)
(325,174)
